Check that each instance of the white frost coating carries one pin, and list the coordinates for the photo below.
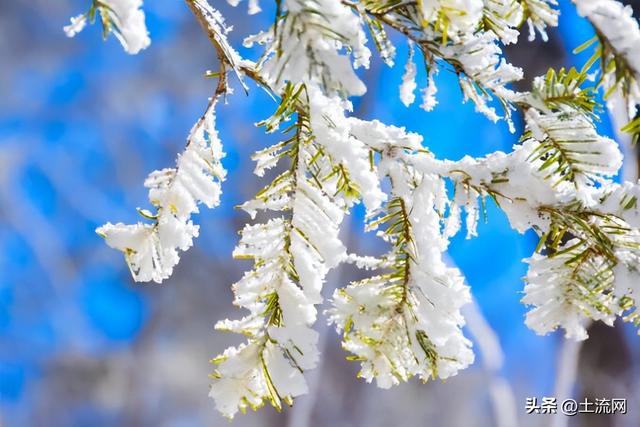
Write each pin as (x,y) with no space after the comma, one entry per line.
(128,20)
(443,286)
(624,100)
(462,16)
(312,54)
(332,131)
(517,177)
(218,32)
(131,29)
(590,156)
(407,324)
(77,24)
(381,137)
(300,249)
(265,243)
(503,18)
(253,6)
(248,373)
(479,58)
(316,220)
(408,85)
(621,33)
(523,187)
(269,366)
(524,184)
(563,292)
(559,300)
(541,14)
(429,100)
(519,174)
(627,273)
(151,250)
(623,201)
(617,24)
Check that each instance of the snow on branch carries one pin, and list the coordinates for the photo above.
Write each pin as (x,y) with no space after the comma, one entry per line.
(558,183)
(404,319)
(212,21)
(252,8)
(616,24)
(124,18)
(539,15)
(618,50)
(292,255)
(448,33)
(313,42)
(151,249)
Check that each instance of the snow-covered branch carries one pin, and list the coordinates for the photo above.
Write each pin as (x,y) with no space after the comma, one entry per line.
(404,320)
(151,249)
(618,50)
(124,18)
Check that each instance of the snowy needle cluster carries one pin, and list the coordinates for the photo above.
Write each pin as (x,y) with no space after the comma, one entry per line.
(403,319)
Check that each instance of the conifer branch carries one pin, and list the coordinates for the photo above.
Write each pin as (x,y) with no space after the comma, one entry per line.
(403,320)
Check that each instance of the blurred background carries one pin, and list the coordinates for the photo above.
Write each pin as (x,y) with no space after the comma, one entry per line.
(82,124)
